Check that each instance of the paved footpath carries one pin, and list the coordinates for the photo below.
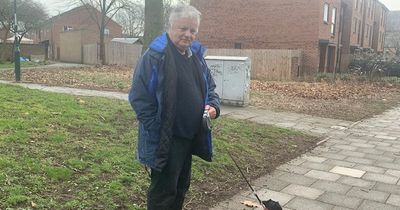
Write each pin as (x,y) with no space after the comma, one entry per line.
(357,167)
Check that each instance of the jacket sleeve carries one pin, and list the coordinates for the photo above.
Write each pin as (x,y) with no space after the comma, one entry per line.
(213,98)
(142,95)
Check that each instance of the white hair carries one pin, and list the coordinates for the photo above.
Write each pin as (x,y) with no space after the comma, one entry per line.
(183,11)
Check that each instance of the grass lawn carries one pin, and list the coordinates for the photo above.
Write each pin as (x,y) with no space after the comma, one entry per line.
(350,100)
(7,65)
(68,152)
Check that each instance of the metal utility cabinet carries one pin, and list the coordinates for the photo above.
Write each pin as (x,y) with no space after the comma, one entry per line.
(232,77)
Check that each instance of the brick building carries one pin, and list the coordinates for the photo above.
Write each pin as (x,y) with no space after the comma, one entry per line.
(77,19)
(320,28)
(380,21)
(363,27)
(392,43)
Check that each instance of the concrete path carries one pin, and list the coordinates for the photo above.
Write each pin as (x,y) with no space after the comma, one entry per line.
(357,167)
(72,91)
(51,66)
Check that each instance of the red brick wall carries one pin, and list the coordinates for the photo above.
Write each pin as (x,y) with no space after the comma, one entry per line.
(78,18)
(379,27)
(26,50)
(266,24)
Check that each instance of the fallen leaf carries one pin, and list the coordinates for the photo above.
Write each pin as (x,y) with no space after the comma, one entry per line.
(251,204)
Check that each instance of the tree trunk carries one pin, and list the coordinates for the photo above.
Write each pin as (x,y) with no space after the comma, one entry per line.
(102,48)
(153,21)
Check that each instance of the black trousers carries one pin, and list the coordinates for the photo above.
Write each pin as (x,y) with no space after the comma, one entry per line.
(168,187)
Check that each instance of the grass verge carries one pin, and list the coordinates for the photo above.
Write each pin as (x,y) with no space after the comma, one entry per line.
(7,65)
(67,152)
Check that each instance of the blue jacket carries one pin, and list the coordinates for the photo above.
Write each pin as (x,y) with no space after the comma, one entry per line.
(153,98)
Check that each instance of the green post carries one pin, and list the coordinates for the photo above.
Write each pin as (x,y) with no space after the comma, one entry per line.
(17,62)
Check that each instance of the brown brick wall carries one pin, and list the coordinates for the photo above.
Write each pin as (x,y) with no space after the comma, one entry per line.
(379,27)
(78,18)
(267,24)
(26,50)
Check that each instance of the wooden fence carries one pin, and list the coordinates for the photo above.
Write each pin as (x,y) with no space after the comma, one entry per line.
(276,65)
(116,53)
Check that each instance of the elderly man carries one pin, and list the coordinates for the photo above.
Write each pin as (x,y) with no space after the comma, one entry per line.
(173,95)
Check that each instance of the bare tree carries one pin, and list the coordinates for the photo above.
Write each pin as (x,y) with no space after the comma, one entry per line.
(131,17)
(6,24)
(108,9)
(30,15)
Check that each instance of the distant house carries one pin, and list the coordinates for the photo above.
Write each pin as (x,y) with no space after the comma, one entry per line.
(77,19)
(324,30)
(392,43)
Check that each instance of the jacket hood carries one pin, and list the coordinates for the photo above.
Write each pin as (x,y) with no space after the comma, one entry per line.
(159,44)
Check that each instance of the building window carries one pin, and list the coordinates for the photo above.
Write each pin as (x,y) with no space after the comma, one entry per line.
(333,26)
(367,30)
(356,4)
(68,28)
(238,45)
(106,31)
(326,12)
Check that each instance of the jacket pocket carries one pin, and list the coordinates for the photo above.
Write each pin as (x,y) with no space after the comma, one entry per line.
(148,143)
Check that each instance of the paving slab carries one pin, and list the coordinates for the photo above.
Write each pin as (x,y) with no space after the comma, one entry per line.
(322,175)
(302,191)
(380,178)
(329,186)
(372,205)
(368,194)
(348,171)
(300,203)
(394,200)
(341,200)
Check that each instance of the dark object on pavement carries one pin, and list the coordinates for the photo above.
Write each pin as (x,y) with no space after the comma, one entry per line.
(267,205)
(271,205)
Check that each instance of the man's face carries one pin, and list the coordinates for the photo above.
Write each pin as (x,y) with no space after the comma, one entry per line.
(182,32)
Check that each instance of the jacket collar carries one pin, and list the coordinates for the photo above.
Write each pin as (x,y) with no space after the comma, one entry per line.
(159,44)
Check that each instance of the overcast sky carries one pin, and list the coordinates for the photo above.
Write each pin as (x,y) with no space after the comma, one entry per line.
(54,7)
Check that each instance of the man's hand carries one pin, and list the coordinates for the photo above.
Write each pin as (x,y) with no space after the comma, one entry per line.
(211,111)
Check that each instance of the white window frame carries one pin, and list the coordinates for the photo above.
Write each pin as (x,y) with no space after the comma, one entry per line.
(333,21)
(68,28)
(106,31)
(326,13)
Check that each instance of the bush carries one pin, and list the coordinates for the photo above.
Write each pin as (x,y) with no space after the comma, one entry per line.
(374,66)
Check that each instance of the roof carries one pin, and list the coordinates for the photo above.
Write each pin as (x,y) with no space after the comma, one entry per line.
(52,19)
(126,40)
(23,40)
